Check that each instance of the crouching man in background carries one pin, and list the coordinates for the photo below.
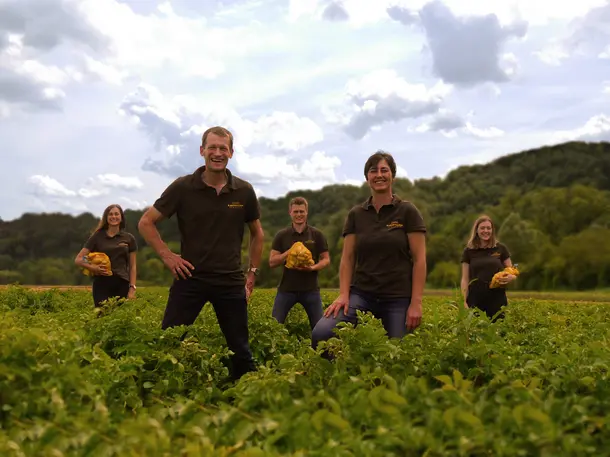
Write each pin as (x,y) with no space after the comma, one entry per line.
(300,284)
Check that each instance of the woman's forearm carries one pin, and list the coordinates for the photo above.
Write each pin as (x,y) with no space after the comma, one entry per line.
(464,287)
(346,270)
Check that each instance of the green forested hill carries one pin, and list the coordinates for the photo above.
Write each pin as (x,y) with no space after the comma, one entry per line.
(552,206)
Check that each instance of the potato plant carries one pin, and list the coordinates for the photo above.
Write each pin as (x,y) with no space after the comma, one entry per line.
(74,382)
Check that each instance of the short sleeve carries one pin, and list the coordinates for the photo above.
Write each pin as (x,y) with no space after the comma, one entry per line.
(276,244)
(133,244)
(168,203)
(504,252)
(465,256)
(91,243)
(349,226)
(414,220)
(322,242)
(253,209)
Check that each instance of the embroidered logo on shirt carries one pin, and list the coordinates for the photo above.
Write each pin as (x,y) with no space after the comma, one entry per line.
(495,254)
(123,244)
(235,205)
(394,225)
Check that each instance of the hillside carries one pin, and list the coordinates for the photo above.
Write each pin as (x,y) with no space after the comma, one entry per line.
(551,204)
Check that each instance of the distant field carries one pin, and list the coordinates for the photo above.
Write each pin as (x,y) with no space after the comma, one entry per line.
(569,296)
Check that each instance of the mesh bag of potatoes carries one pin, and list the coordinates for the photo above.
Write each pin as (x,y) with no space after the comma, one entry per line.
(299,256)
(495,281)
(97,258)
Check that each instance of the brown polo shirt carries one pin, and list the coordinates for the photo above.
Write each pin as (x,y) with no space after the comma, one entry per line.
(483,263)
(211,225)
(117,248)
(315,241)
(383,263)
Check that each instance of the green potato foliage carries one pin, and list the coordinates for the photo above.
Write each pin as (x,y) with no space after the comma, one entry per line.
(74,382)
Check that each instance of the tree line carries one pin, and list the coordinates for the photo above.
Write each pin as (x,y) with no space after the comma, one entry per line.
(551,206)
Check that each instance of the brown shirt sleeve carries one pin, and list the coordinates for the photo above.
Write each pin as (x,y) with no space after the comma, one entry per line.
(414,219)
(349,227)
(465,256)
(253,210)
(91,243)
(504,252)
(169,201)
(321,241)
(133,244)
(276,244)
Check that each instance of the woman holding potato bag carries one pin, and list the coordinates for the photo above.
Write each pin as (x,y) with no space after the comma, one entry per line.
(486,270)
(109,255)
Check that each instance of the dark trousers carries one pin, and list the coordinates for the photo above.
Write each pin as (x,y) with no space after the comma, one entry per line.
(310,300)
(391,311)
(186,300)
(490,301)
(105,287)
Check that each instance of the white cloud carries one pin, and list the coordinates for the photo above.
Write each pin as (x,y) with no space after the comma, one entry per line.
(99,186)
(106,100)
(31,31)
(47,24)
(553,55)
(105,184)
(49,186)
(401,172)
(92,193)
(5,110)
(365,12)
(169,41)
(105,72)
(606,89)
(450,124)
(120,182)
(352,182)
(176,125)
(48,194)
(25,82)
(108,42)
(597,128)
(313,172)
(587,33)
(134,204)
(535,12)
(381,97)
(451,39)
(287,132)
(54,204)
(300,8)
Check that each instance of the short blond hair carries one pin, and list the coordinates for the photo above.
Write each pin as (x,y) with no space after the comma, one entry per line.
(298,201)
(220,131)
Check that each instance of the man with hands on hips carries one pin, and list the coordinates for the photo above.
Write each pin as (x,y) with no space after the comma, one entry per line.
(212,207)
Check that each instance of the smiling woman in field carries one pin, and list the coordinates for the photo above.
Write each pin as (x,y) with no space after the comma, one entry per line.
(482,258)
(111,238)
(383,263)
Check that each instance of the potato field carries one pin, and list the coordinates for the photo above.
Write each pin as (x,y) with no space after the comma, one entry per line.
(78,383)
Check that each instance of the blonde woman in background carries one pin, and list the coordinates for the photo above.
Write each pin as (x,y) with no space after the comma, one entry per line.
(482,258)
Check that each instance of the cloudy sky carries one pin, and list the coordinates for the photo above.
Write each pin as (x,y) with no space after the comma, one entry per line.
(105,101)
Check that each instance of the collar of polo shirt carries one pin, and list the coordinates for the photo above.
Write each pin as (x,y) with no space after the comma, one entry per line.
(198,183)
(369,201)
(305,229)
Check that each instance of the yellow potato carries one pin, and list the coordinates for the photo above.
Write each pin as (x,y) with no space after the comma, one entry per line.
(299,256)
(97,258)
(500,274)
